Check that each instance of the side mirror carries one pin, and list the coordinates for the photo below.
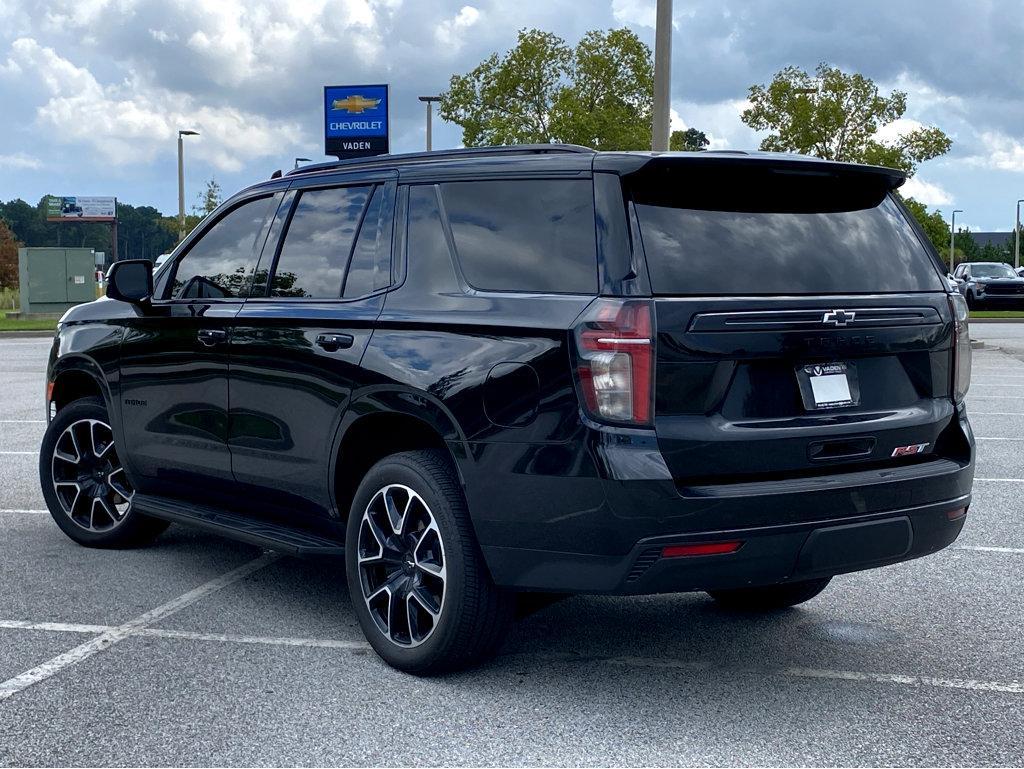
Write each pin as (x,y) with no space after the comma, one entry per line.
(130,281)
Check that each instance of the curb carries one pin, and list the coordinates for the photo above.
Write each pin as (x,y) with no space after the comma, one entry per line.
(26,334)
(996,320)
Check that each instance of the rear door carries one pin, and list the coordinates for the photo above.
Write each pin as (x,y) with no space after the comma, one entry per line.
(802,326)
(298,341)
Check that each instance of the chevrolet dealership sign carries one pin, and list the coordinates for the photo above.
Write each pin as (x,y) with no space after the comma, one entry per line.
(355,120)
(90,209)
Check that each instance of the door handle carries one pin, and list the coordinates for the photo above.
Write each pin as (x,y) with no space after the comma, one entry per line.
(332,342)
(211,336)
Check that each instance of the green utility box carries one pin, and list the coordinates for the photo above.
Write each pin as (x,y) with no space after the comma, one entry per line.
(53,279)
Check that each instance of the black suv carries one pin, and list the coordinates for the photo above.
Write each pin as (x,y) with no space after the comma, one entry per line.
(537,369)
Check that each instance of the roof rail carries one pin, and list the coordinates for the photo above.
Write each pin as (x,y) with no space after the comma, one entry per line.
(513,149)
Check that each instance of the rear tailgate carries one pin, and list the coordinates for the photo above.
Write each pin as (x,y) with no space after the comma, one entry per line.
(803,327)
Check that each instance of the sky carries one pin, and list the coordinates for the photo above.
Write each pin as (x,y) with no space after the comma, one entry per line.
(93,92)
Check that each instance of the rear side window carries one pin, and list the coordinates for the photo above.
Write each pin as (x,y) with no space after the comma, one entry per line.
(220,264)
(318,242)
(529,235)
(725,233)
(370,266)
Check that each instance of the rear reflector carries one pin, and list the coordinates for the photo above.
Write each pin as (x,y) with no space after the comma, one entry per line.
(960,512)
(701,548)
(49,392)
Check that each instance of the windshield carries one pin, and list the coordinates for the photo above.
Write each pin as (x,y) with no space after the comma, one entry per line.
(992,271)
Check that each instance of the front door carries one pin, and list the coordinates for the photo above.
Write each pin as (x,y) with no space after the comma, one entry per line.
(174,358)
(296,351)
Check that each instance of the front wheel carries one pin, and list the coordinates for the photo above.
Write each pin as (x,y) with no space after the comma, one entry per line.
(418,582)
(770,597)
(84,484)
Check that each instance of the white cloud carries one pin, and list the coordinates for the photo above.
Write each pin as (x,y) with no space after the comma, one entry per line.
(451,32)
(20,160)
(926,192)
(639,12)
(129,122)
(1000,152)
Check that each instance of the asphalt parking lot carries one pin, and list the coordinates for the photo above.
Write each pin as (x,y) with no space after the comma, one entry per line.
(204,652)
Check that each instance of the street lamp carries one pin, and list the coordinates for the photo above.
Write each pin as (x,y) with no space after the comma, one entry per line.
(430,117)
(181,182)
(952,235)
(662,76)
(302,160)
(1016,237)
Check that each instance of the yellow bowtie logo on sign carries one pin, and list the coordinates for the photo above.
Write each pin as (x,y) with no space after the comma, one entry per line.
(355,104)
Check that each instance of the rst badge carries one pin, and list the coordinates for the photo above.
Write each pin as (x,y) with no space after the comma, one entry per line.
(909,451)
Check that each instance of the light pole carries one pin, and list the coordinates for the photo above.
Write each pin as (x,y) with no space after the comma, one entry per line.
(662,76)
(181,182)
(952,236)
(1016,237)
(301,160)
(430,118)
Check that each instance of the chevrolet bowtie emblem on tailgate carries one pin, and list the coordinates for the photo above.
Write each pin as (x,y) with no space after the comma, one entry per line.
(838,317)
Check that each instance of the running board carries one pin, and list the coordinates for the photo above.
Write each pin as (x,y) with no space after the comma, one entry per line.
(239,527)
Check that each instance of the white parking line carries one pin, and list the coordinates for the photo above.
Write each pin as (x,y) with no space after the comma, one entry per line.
(27,512)
(987,549)
(319,643)
(53,627)
(19,453)
(22,421)
(115,635)
(999,480)
(996,414)
(987,438)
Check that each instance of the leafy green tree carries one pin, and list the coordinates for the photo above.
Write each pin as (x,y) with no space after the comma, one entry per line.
(690,140)
(837,116)
(597,94)
(208,200)
(932,223)
(8,257)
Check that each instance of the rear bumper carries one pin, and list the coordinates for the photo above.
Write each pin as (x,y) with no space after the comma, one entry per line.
(767,555)
(593,515)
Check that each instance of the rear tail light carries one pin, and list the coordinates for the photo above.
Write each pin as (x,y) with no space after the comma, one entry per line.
(615,360)
(961,347)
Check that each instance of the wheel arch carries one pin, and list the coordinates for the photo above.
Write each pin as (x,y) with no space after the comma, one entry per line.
(383,422)
(75,377)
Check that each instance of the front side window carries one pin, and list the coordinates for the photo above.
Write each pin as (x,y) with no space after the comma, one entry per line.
(220,264)
(318,242)
(526,235)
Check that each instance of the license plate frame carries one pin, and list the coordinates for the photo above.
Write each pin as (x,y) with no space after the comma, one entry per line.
(824,386)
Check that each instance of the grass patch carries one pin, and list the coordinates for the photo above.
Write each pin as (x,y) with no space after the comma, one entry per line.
(997,314)
(33,324)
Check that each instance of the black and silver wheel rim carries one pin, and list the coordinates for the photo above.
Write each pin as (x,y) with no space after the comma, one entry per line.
(88,479)
(402,565)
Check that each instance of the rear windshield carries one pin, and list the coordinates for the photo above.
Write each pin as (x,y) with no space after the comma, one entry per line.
(713,233)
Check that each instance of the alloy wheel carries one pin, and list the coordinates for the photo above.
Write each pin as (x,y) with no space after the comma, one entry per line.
(88,478)
(402,565)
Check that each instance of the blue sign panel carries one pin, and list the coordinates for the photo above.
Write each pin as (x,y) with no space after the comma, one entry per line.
(355,120)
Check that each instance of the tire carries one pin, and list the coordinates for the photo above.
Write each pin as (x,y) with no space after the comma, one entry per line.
(419,585)
(770,597)
(85,487)
(972,303)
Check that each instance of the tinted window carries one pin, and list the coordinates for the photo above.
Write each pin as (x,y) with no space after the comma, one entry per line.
(993,271)
(370,267)
(220,264)
(790,235)
(524,235)
(318,242)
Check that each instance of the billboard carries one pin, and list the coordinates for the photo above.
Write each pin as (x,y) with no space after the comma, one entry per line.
(355,120)
(78,209)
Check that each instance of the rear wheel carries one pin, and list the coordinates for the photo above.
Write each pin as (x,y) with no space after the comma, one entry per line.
(419,586)
(770,597)
(84,484)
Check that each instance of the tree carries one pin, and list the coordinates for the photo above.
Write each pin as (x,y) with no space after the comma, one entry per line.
(836,116)
(599,93)
(932,223)
(690,140)
(208,200)
(8,257)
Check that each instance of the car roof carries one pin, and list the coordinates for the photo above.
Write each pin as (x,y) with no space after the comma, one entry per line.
(567,158)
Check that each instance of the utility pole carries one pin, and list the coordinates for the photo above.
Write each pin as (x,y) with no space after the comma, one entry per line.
(1016,237)
(662,76)
(430,118)
(952,236)
(181,182)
